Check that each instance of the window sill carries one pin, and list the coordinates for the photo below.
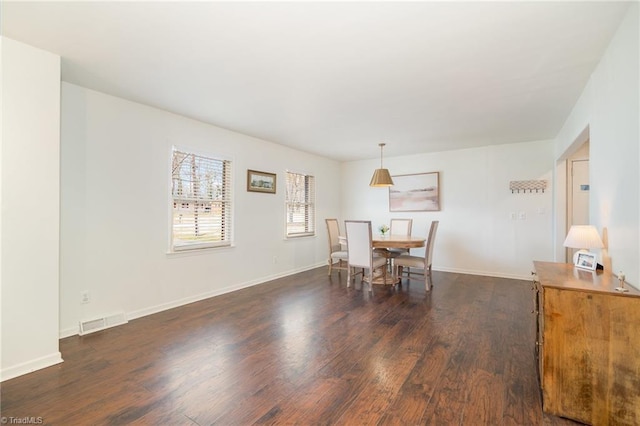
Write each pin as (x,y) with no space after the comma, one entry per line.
(297,237)
(198,251)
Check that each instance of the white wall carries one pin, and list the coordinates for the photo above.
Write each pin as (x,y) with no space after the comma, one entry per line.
(30,208)
(476,234)
(610,107)
(115,200)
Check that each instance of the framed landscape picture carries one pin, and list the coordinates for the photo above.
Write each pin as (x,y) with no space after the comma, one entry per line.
(261,181)
(415,193)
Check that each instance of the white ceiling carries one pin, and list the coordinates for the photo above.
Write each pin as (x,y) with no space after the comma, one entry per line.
(336,78)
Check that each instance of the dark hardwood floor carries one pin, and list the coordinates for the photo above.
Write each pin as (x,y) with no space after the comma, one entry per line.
(305,350)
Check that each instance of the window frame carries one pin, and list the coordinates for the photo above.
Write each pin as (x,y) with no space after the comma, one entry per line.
(310,217)
(226,203)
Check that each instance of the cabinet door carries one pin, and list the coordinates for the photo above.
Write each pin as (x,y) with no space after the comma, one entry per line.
(591,357)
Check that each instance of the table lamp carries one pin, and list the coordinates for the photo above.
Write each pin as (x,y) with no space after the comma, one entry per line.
(583,237)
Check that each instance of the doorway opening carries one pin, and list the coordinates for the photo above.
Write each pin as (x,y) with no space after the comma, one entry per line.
(577,191)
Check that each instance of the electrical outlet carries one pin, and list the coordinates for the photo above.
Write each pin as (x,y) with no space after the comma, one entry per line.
(84,297)
(275,259)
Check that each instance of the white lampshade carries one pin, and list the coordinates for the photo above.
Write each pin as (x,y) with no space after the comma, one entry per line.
(583,237)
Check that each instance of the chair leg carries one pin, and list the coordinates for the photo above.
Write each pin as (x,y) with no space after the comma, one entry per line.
(349,276)
(427,278)
(330,266)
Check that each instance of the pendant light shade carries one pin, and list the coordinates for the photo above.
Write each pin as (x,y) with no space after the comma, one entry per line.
(381,176)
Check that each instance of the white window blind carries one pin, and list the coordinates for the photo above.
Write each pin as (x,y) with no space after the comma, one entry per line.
(300,205)
(201,192)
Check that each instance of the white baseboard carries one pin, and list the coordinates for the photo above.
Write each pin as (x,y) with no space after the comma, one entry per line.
(68,332)
(484,273)
(30,366)
(198,297)
(72,331)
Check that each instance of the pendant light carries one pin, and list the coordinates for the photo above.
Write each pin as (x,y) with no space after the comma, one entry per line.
(381,176)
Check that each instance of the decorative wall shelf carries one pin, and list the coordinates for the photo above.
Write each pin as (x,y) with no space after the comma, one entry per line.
(527,185)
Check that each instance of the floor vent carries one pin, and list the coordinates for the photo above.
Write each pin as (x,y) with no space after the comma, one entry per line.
(93,325)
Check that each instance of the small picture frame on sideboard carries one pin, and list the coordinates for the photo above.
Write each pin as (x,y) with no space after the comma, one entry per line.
(586,261)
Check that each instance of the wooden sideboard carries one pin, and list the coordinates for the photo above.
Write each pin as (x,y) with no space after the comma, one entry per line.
(587,344)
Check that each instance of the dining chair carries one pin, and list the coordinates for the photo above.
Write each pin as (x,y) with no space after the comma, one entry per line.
(360,253)
(400,227)
(337,254)
(419,262)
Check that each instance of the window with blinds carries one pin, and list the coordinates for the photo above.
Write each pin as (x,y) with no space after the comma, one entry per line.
(201,196)
(300,205)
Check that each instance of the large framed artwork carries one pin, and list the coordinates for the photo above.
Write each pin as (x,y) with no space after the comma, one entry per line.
(415,193)
(261,181)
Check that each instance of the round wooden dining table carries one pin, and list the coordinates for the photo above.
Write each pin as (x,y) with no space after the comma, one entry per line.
(397,241)
(381,244)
